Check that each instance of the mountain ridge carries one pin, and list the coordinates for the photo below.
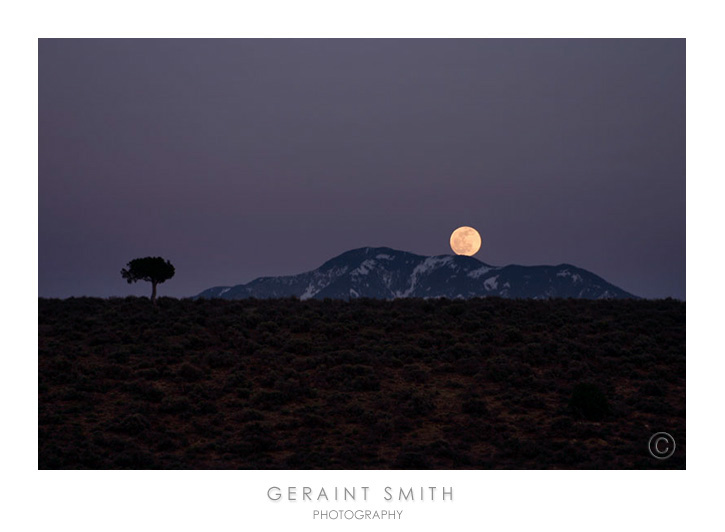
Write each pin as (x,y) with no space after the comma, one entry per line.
(386,273)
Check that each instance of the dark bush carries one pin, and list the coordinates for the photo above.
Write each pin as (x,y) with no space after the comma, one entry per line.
(589,402)
(189,373)
(221,359)
(266,399)
(418,404)
(411,460)
(475,407)
(133,424)
(145,391)
(175,405)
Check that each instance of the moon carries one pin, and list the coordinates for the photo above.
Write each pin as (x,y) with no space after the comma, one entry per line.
(465,241)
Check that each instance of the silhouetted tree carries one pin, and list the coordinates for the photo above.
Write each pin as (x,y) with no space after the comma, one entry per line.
(154,270)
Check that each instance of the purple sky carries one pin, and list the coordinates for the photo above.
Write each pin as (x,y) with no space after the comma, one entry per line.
(242,158)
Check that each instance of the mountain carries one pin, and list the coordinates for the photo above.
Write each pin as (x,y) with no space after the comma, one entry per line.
(385,273)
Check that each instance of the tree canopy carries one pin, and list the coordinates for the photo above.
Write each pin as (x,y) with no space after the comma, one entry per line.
(154,270)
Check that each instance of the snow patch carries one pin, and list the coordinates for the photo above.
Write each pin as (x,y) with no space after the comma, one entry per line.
(491,283)
(429,264)
(475,274)
(575,277)
(364,268)
(384,256)
(309,292)
(224,291)
(321,280)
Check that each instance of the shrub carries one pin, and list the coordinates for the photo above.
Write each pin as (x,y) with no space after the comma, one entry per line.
(189,372)
(411,460)
(146,392)
(418,404)
(268,399)
(589,402)
(133,424)
(221,359)
(475,407)
(355,377)
(175,405)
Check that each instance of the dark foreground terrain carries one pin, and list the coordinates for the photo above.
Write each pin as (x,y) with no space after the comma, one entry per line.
(404,384)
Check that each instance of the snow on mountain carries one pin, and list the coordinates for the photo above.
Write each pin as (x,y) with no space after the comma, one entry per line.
(385,273)
(491,283)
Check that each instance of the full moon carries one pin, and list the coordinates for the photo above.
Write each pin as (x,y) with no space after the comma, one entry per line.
(465,241)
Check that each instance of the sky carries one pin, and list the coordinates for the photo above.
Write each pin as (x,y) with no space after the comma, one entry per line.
(243,158)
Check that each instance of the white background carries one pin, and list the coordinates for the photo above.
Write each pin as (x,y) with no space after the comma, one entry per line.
(236,500)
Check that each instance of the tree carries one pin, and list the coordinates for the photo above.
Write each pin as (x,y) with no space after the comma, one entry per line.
(154,270)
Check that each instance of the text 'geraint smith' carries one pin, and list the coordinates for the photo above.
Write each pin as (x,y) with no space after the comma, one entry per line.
(306,493)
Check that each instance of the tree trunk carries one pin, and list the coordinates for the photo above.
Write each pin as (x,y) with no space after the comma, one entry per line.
(153,292)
